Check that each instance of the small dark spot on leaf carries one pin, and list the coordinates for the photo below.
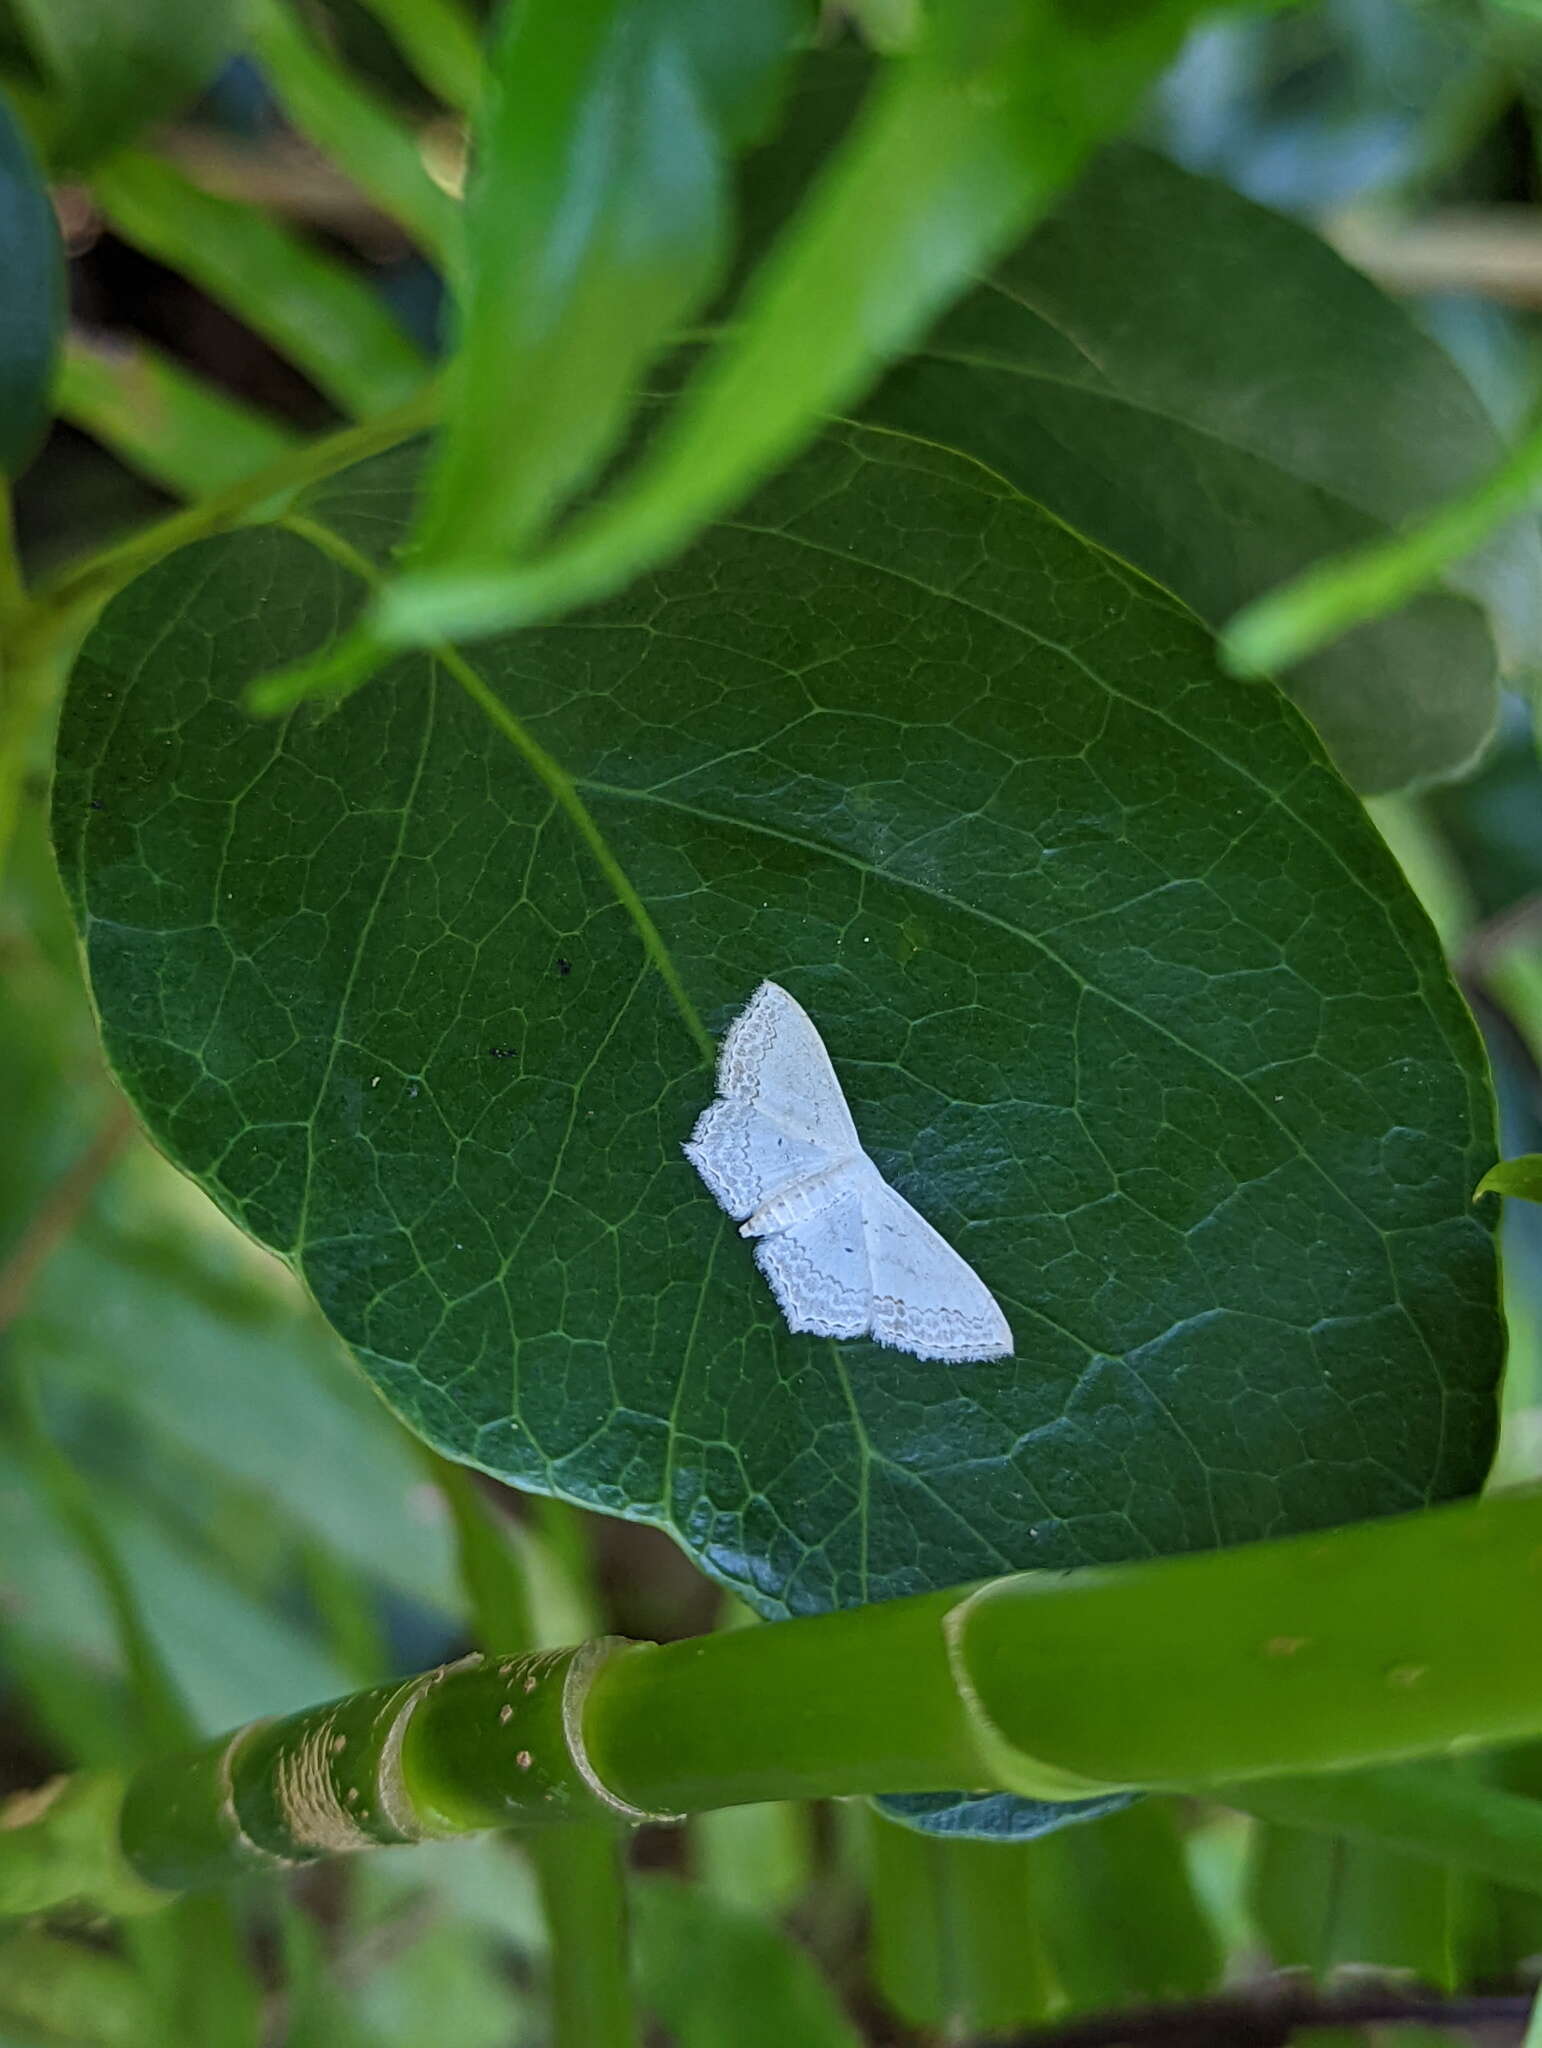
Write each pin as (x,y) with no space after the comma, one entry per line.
(503,1052)
(95,803)
(564,966)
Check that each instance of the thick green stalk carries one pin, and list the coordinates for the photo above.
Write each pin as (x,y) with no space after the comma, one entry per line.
(1388,1639)
(1360,1646)
(472,1745)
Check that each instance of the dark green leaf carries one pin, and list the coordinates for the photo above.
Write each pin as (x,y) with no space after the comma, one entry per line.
(596,222)
(1125,990)
(1205,388)
(109,68)
(1520,1178)
(32,301)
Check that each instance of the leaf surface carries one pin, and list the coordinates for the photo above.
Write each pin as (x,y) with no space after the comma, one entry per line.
(1208,390)
(1125,992)
(112,67)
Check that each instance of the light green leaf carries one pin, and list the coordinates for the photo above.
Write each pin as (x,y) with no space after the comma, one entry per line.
(1119,1914)
(1208,390)
(162,418)
(1125,990)
(69,1992)
(596,222)
(441,40)
(962,145)
(1520,1178)
(110,68)
(321,315)
(958,1932)
(719,1977)
(32,302)
(360,134)
(1322,1904)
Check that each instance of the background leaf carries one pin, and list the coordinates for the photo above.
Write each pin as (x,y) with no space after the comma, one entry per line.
(1205,388)
(1125,990)
(715,1974)
(314,309)
(102,70)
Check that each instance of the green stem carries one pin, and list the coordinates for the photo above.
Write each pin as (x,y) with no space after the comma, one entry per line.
(1359,1646)
(578,1869)
(62,608)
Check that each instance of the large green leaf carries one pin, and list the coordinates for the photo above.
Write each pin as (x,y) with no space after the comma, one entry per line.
(1126,993)
(1208,390)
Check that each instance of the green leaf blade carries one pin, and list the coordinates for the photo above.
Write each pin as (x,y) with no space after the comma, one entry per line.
(596,223)
(1519,1178)
(113,70)
(1123,988)
(320,314)
(1209,391)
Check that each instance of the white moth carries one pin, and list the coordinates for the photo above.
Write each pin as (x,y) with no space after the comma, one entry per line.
(845,1255)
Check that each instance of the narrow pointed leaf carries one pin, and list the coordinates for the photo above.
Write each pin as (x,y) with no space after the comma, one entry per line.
(963,144)
(597,220)
(1520,1178)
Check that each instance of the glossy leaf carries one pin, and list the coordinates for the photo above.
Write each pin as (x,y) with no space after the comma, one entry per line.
(106,69)
(1124,989)
(596,222)
(1209,391)
(32,303)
